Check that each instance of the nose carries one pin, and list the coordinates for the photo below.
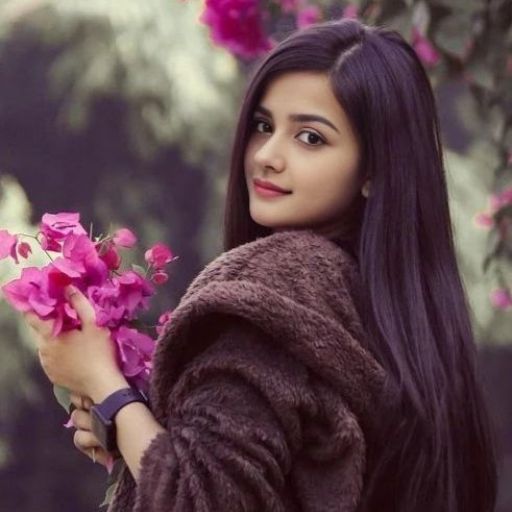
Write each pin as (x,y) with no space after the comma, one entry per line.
(269,155)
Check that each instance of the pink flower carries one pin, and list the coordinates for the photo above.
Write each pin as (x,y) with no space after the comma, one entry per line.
(8,245)
(501,199)
(40,291)
(496,202)
(111,257)
(117,301)
(116,297)
(81,260)
(165,317)
(350,11)
(109,464)
(135,351)
(160,277)
(56,227)
(484,220)
(501,298)
(124,238)
(24,250)
(158,256)
(424,48)
(110,312)
(308,16)
(134,292)
(237,25)
(30,292)
(163,321)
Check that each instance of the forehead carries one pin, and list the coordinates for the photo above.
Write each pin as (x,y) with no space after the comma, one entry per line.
(302,92)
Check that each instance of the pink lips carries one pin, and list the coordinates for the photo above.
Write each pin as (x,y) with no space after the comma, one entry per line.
(266,192)
(268,189)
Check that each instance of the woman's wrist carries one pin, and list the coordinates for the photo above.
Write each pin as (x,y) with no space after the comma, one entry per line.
(106,385)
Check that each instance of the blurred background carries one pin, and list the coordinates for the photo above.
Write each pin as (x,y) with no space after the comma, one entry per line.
(124,110)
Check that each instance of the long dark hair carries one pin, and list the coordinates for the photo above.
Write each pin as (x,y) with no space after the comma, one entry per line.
(437,453)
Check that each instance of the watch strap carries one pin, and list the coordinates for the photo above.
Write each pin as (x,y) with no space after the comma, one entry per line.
(118,399)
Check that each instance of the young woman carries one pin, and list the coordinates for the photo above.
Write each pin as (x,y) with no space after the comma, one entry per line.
(324,361)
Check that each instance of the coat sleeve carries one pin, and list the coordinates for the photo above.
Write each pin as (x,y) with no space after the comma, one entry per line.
(233,426)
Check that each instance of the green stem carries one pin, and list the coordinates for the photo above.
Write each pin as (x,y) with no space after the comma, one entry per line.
(38,241)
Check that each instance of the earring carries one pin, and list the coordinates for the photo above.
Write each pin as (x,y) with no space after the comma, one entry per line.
(366,189)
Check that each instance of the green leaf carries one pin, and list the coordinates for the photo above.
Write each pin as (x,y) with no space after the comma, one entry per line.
(109,494)
(62,396)
(113,479)
(140,270)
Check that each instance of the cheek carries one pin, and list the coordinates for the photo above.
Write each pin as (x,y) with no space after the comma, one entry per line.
(334,190)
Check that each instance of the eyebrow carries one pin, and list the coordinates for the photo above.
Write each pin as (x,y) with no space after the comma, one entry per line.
(301,118)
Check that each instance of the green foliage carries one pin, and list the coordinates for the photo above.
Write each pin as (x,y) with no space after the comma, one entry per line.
(113,479)
(143,57)
(62,396)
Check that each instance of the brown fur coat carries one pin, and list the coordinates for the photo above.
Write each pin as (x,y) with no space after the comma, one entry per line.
(263,385)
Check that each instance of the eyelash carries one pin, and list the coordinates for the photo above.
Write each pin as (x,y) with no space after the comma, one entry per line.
(322,141)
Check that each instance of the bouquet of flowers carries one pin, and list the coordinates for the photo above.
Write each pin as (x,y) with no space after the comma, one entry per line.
(94,267)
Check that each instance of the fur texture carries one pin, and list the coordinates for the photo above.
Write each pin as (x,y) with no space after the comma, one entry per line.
(264,385)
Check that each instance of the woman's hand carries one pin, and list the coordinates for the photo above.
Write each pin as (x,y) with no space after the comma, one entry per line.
(82,361)
(84,440)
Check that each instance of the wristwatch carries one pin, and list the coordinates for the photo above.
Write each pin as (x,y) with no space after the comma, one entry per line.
(103,414)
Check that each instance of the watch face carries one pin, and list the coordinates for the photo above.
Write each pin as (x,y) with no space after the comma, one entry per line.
(100,427)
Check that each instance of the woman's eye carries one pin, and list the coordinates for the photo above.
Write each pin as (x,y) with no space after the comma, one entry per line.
(312,138)
(257,123)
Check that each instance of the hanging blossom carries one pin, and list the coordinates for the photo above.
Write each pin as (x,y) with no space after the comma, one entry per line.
(92,266)
(501,298)
(485,219)
(350,11)
(424,48)
(237,25)
(308,15)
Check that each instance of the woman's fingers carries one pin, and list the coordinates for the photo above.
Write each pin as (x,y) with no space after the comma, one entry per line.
(80,402)
(84,439)
(81,419)
(86,442)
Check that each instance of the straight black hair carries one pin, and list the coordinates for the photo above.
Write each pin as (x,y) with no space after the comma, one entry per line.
(437,453)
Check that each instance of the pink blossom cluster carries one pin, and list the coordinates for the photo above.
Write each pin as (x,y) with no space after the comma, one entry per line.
(94,268)
(239,25)
(424,48)
(501,298)
(497,201)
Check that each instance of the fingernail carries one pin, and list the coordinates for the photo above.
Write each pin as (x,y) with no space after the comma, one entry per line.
(69,290)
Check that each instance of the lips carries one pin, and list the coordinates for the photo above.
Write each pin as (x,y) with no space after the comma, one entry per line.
(270,186)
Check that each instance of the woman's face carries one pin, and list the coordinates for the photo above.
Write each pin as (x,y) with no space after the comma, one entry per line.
(315,159)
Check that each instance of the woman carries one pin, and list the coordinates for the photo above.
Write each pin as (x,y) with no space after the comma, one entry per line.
(324,361)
